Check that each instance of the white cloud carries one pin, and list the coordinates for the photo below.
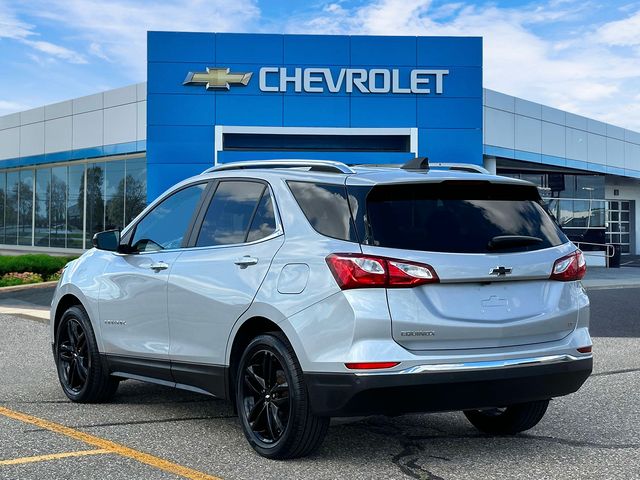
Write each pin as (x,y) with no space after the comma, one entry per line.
(625,32)
(57,51)
(11,27)
(577,72)
(7,106)
(116,30)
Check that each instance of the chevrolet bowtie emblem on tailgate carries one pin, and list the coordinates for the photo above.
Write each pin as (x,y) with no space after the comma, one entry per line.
(500,271)
(217,78)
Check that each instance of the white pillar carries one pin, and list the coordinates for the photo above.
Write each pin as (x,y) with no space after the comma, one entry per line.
(490,164)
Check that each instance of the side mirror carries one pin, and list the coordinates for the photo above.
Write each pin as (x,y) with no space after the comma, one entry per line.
(108,240)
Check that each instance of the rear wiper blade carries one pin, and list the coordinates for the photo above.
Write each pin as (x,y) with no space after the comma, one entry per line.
(510,241)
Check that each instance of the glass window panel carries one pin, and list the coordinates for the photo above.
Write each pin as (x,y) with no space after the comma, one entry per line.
(136,188)
(589,186)
(613,205)
(569,187)
(75,206)
(229,214)
(165,226)
(625,249)
(452,217)
(114,195)
(264,221)
(25,207)
(95,199)
(3,195)
(624,216)
(624,238)
(614,227)
(58,207)
(326,207)
(615,216)
(41,236)
(11,208)
(624,205)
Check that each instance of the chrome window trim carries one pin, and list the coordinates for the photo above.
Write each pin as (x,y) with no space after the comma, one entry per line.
(483,365)
(276,233)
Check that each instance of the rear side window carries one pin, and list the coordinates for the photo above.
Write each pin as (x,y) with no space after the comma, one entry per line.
(326,208)
(231,214)
(456,217)
(264,221)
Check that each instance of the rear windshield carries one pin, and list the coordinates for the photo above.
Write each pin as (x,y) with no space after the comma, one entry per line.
(453,216)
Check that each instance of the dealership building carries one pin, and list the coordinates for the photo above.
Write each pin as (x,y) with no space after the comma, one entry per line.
(80,166)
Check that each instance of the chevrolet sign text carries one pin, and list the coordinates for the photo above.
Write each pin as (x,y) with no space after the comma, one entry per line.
(375,80)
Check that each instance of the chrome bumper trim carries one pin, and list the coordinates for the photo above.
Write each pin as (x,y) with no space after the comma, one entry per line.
(486,365)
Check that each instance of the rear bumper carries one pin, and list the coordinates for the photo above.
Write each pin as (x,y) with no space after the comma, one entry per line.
(427,389)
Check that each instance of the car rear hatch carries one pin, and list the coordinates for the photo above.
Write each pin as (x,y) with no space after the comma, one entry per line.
(493,248)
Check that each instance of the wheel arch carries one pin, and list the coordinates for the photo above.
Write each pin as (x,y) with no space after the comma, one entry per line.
(248,330)
(67,301)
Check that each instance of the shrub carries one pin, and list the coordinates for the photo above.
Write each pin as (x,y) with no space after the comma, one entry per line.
(20,278)
(43,265)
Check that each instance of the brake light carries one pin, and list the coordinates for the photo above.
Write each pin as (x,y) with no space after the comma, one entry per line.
(569,268)
(370,365)
(353,270)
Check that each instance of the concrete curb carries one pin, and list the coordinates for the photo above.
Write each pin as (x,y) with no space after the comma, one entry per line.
(17,288)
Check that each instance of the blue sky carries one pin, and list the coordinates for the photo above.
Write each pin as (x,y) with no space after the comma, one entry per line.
(580,55)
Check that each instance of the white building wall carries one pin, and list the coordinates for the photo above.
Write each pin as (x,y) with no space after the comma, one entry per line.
(535,131)
(106,118)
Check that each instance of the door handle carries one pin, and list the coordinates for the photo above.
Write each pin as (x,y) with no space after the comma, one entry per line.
(159,266)
(244,262)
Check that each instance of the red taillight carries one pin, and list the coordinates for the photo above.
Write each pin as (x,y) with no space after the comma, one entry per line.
(569,268)
(370,365)
(585,349)
(353,270)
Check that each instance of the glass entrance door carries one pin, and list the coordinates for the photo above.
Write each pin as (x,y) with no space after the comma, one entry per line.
(619,224)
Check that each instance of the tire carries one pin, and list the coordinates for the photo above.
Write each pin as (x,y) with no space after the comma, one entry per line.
(273,403)
(509,420)
(83,376)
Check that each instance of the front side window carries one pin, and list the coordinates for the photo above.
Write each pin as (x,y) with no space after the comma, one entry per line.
(240,211)
(165,226)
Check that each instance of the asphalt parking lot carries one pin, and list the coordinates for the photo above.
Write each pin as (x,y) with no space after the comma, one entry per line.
(151,432)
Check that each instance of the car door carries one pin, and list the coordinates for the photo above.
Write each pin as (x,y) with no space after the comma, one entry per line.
(213,283)
(133,290)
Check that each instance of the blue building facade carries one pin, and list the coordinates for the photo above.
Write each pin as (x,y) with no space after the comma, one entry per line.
(310,97)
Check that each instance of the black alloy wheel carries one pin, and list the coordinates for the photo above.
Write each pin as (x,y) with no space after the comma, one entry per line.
(266,397)
(272,400)
(73,355)
(82,373)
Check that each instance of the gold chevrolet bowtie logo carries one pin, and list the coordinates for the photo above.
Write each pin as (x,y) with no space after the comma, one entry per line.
(217,78)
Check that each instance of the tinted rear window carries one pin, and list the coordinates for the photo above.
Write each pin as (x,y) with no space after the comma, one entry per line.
(457,217)
(326,207)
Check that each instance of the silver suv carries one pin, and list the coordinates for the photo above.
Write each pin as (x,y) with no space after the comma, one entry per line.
(304,290)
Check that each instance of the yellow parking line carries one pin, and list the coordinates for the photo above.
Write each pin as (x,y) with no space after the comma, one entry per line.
(108,445)
(53,456)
